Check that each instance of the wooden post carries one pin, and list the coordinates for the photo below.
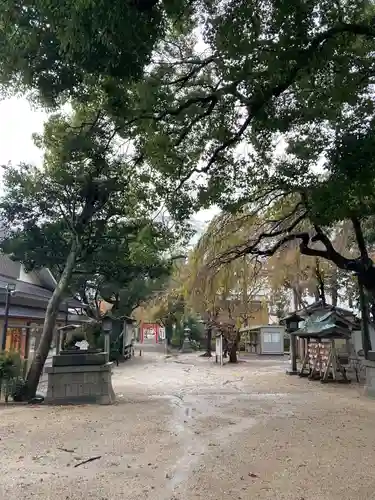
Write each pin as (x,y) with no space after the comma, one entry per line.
(107,346)
(366,341)
(27,348)
(58,342)
(293,354)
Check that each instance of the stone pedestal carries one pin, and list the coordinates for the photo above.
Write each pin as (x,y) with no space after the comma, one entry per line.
(369,388)
(186,346)
(80,378)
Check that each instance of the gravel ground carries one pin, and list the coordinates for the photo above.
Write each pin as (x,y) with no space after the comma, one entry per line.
(186,429)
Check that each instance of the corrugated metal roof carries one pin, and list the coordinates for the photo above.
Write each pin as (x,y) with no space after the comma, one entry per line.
(29,289)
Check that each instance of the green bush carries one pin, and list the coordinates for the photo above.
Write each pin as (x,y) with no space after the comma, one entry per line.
(11,365)
(11,370)
(17,389)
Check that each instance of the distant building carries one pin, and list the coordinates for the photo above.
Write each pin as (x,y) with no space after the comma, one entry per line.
(253,313)
(28,301)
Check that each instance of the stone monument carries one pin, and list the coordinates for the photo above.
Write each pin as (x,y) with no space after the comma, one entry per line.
(186,346)
(80,376)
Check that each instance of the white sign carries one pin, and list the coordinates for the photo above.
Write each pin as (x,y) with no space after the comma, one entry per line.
(162,333)
(219,350)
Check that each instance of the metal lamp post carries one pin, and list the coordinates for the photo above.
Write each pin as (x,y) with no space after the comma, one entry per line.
(107,328)
(10,288)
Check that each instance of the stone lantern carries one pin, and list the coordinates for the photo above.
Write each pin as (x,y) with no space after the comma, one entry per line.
(186,346)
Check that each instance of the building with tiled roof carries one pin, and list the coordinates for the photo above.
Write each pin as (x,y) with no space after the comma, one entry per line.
(28,300)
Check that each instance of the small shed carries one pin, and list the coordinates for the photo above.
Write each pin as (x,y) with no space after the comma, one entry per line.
(324,337)
(263,339)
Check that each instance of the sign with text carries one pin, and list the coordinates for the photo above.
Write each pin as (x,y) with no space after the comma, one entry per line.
(161,333)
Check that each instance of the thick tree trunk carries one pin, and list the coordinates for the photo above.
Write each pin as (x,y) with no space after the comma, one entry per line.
(295,299)
(320,281)
(363,300)
(209,342)
(225,348)
(233,353)
(54,303)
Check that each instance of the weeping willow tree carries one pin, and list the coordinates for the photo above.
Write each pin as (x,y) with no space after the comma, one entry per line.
(223,290)
(170,309)
(308,276)
(223,296)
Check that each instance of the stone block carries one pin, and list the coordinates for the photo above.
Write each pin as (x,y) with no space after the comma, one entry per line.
(79,358)
(369,388)
(85,384)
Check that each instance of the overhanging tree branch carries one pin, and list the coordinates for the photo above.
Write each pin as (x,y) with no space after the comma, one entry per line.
(260,98)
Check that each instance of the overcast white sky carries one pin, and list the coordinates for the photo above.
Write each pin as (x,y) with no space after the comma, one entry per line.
(18,122)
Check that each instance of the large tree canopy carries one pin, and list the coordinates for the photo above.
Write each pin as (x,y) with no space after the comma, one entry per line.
(277,104)
(85,213)
(64,48)
(264,106)
(267,68)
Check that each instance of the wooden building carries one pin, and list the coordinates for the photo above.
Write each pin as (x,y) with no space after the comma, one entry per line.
(315,321)
(327,345)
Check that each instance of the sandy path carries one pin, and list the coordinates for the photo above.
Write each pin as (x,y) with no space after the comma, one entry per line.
(186,429)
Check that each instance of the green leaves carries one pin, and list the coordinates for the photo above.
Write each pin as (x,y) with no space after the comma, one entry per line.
(269,73)
(58,47)
(88,193)
(63,48)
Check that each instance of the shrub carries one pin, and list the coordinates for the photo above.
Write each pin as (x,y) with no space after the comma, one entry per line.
(10,365)
(11,381)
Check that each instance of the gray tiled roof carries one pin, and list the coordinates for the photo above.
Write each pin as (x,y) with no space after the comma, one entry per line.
(29,289)
(37,314)
(9,267)
(10,272)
